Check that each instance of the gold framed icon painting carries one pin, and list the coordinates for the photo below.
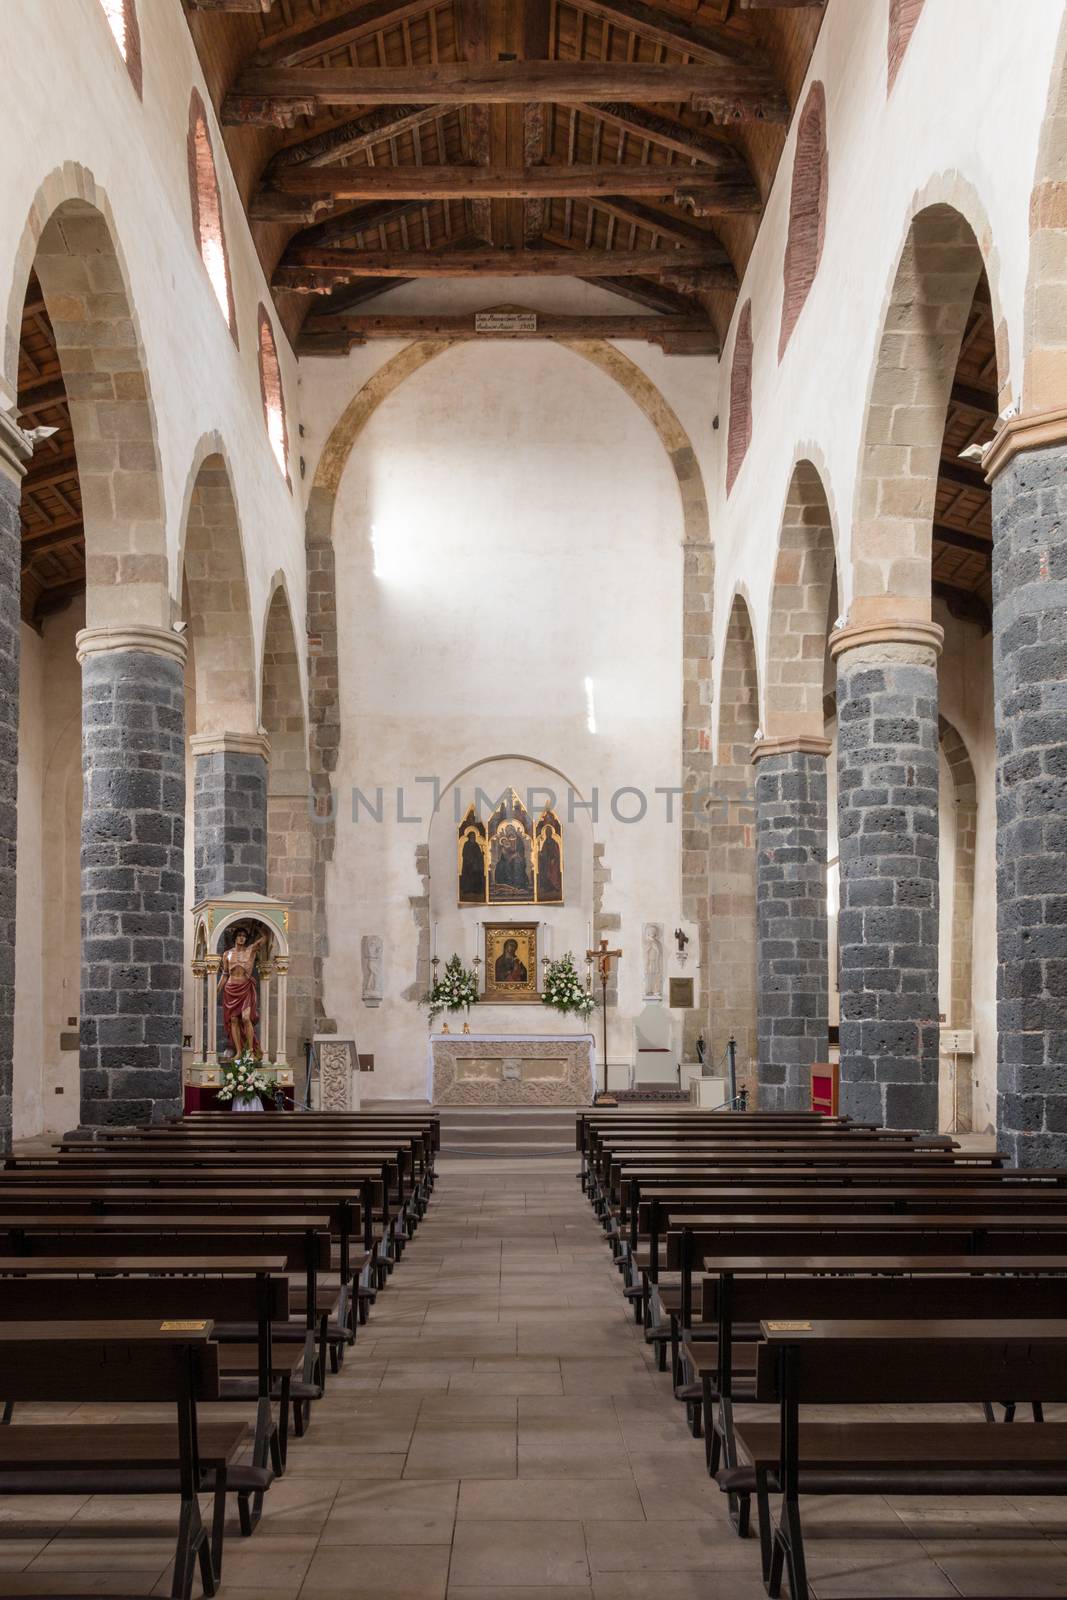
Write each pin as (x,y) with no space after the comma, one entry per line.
(511,963)
(510,860)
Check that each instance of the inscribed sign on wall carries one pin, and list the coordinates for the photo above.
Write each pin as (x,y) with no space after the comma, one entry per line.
(509,860)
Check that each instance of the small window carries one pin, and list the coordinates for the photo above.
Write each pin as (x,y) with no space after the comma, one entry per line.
(207,210)
(122,20)
(739,434)
(903,16)
(270,384)
(807,211)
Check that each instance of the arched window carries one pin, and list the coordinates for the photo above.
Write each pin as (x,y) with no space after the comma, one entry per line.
(903,15)
(122,20)
(739,434)
(270,385)
(807,211)
(207,210)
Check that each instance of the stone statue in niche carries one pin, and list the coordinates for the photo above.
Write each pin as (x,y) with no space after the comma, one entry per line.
(652,943)
(372,951)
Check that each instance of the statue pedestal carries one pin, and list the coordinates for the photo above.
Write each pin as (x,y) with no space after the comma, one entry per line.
(492,1069)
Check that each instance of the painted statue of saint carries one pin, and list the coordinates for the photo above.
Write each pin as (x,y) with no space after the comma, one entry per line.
(240,1000)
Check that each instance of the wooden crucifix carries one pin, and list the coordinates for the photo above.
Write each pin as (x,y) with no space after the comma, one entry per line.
(603,958)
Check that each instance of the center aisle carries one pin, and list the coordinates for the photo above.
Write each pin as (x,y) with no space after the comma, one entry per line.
(498,1432)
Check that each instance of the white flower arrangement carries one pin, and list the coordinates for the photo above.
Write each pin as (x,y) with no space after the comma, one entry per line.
(243,1077)
(564,991)
(455,990)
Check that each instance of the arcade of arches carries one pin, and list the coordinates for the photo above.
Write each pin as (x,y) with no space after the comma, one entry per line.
(736,540)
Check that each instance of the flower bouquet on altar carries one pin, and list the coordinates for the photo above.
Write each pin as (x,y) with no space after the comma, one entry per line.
(455,990)
(246,1084)
(564,991)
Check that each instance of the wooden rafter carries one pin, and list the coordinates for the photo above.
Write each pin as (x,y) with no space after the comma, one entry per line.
(710,44)
(314,270)
(555,178)
(682,334)
(338,33)
(727,94)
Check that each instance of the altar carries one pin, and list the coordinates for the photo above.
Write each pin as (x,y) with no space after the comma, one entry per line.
(492,1069)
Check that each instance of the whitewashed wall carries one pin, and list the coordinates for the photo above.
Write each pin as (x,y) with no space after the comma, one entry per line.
(508,527)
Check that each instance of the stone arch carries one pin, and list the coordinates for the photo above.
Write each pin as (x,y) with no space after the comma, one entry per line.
(697,599)
(290,848)
(959,761)
(70,241)
(807,212)
(799,610)
(1044,333)
(732,835)
(946,247)
(217,609)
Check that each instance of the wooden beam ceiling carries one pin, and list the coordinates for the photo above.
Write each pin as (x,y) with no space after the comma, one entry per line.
(728,94)
(392,133)
(310,271)
(465,182)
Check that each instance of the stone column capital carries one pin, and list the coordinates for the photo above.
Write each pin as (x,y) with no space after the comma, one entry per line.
(888,636)
(1036,431)
(132,636)
(805,744)
(15,448)
(240,744)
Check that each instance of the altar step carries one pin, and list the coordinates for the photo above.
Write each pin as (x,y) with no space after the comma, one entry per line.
(507,1130)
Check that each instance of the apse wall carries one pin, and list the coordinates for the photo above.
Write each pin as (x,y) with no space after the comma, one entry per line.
(509,579)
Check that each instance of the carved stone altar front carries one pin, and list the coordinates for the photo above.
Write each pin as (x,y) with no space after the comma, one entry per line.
(492,1070)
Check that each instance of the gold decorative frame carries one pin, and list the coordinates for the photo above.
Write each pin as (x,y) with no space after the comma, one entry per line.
(497,992)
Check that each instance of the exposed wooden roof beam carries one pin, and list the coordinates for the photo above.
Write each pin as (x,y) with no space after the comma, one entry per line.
(467,182)
(435,325)
(261,6)
(703,41)
(337,33)
(646,292)
(353,137)
(960,472)
(984,400)
(36,544)
(962,541)
(43,473)
(669,225)
(356,220)
(314,271)
(728,94)
(43,395)
(472,45)
(670,134)
(778,5)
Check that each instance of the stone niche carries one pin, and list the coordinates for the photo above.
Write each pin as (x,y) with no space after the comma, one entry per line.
(468,1071)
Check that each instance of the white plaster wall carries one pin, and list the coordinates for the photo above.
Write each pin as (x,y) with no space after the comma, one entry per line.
(965,114)
(47,949)
(507,526)
(74,103)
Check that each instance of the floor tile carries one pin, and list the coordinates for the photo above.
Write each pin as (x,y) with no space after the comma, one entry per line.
(548,1554)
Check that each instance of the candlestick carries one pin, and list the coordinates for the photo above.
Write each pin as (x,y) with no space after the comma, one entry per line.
(435,941)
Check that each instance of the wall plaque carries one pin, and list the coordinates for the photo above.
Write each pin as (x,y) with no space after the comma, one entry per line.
(681,993)
(505,322)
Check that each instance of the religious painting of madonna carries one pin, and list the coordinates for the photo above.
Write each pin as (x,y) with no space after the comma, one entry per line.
(511,963)
(511,866)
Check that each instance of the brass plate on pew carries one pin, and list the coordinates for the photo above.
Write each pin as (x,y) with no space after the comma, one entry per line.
(182,1327)
(789,1327)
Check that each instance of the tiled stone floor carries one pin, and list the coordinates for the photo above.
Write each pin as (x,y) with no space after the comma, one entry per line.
(499,1433)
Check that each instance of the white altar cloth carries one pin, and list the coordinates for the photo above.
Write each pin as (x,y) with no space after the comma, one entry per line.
(518,1082)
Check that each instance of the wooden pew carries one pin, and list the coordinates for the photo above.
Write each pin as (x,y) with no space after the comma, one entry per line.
(34,1292)
(124,1362)
(855,1362)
